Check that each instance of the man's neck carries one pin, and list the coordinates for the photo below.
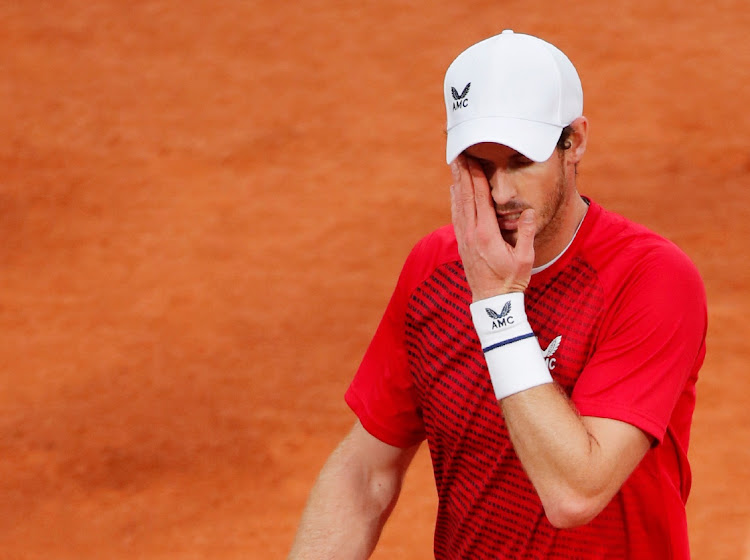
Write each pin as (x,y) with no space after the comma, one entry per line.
(571,216)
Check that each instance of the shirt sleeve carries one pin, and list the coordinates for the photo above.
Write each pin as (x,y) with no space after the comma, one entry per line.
(651,345)
(382,393)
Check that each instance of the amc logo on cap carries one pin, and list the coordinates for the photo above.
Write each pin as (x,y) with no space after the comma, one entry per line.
(460,98)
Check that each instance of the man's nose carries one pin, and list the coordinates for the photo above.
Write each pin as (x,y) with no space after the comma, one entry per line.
(503,187)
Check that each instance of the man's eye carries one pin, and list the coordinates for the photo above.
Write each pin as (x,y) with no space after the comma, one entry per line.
(487,167)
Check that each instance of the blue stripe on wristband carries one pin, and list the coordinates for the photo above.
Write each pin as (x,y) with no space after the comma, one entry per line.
(509,341)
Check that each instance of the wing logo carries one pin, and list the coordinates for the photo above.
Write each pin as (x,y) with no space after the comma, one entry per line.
(502,319)
(549,352)
(460,99)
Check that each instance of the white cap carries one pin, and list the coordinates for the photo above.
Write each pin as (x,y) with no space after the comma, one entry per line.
(512,89)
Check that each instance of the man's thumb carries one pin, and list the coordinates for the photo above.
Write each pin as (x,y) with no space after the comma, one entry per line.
(526,232)
(526,223)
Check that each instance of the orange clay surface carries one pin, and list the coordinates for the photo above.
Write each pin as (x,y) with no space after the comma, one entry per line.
(204,207)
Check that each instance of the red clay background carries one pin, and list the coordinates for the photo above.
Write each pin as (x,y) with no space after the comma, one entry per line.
(204,207)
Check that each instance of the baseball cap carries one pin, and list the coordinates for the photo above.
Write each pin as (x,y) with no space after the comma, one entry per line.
(512,89)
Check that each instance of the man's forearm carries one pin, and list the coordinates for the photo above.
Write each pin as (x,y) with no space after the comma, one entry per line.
(340,519)
(553,445)
(351,500)
(576,463)
(562,452)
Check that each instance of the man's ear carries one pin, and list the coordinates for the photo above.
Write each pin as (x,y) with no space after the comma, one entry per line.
(578,139)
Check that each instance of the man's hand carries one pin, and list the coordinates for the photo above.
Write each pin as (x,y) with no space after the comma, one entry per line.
(492,265)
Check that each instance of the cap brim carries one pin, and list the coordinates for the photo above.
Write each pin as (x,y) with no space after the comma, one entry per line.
(535,140)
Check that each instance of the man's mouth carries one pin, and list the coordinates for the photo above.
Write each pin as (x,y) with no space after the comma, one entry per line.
(508,221)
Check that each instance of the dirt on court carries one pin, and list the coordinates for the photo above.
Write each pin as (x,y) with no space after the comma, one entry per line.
(204,208)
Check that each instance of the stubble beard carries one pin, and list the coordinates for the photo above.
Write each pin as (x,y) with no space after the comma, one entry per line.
(552,214)
(549,216)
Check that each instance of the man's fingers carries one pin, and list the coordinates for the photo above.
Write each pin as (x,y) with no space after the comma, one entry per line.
(463,207)
(485,209)
(526,231)
(492,265)
(456,211)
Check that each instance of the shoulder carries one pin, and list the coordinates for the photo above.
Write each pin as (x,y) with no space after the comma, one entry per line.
(433,250)
(644,277)
(440,243)
(622,250)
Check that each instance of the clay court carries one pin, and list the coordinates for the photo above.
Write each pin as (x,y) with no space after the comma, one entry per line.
(204,207)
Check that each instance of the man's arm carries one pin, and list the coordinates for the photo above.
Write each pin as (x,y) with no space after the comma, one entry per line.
(577,464)
(352,498)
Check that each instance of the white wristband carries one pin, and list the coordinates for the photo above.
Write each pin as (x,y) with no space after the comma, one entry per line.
(514,358)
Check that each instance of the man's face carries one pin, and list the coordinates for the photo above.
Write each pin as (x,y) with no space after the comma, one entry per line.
(518,183)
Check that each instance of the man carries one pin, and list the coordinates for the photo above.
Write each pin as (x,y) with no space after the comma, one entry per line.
(545,348)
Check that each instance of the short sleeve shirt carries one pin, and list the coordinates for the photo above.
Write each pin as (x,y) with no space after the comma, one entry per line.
(621,319)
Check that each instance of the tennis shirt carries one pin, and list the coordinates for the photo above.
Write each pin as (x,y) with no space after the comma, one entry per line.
(621,319)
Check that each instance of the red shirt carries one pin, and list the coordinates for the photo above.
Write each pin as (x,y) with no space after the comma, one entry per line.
(622,319)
